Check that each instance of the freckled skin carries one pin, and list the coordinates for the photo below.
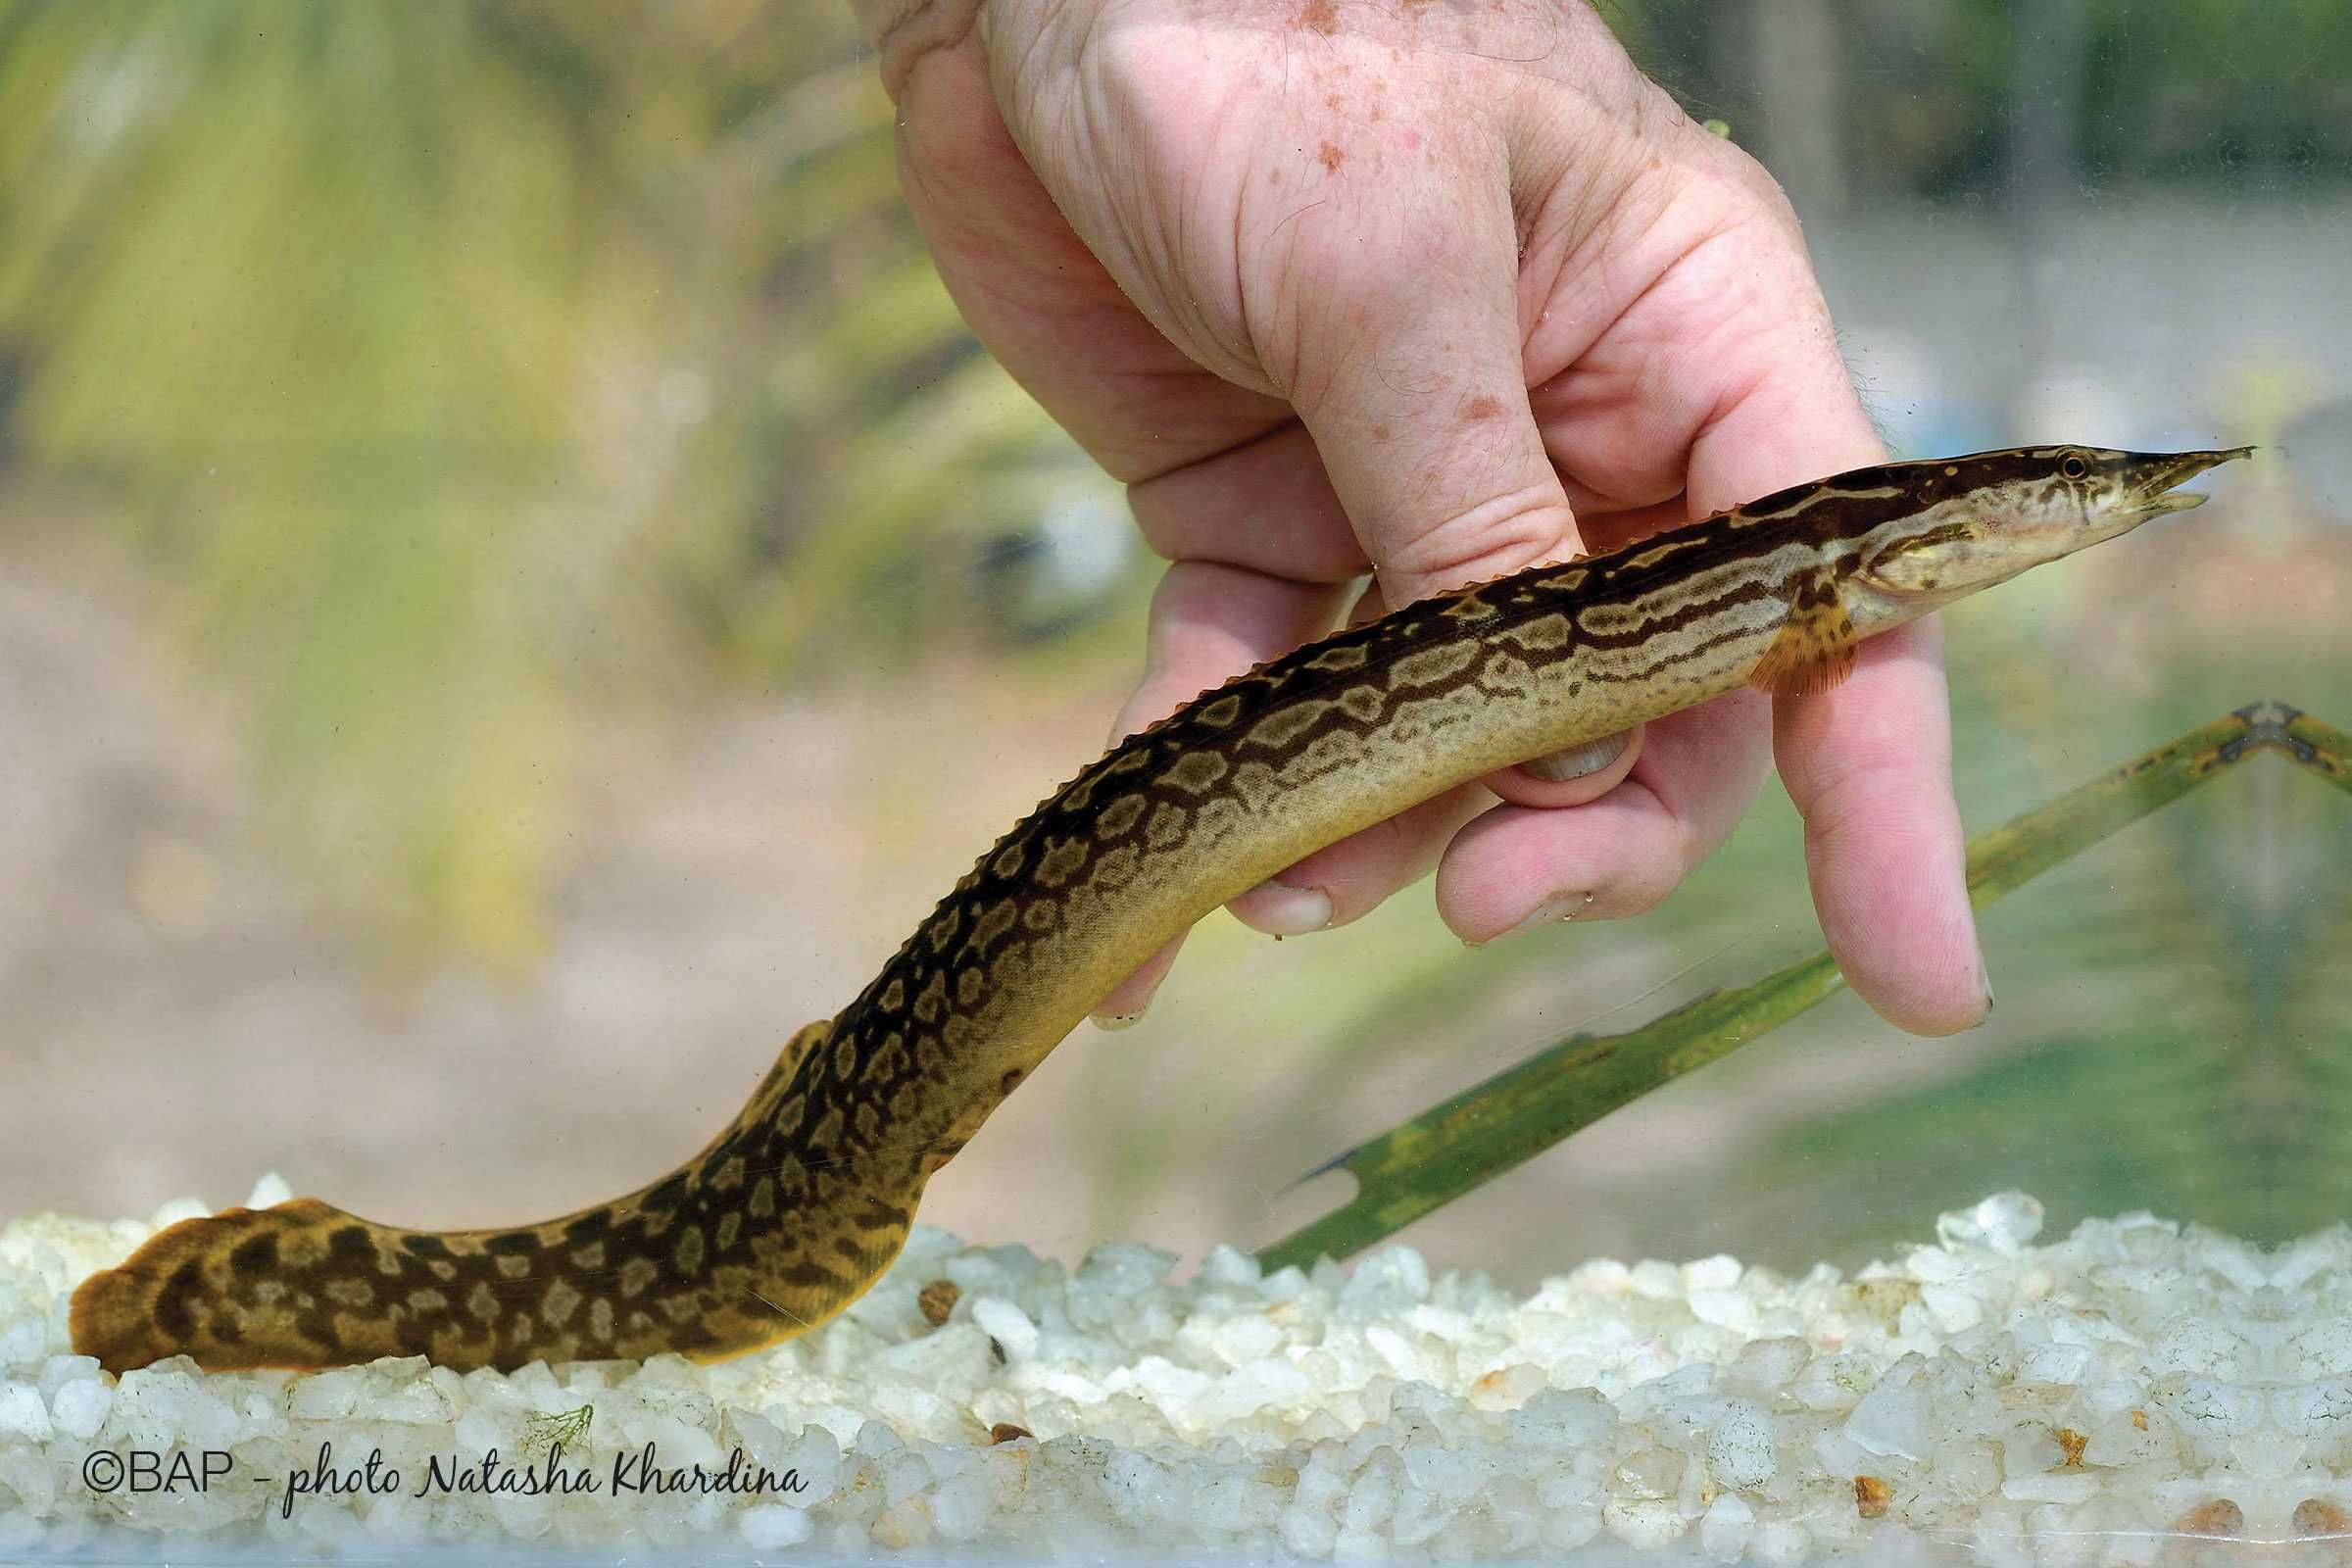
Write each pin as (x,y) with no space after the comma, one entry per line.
(802,1202)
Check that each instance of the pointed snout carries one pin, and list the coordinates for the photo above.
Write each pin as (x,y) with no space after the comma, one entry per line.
(2151,474)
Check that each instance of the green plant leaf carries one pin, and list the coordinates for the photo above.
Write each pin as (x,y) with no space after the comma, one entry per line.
(1476,1136)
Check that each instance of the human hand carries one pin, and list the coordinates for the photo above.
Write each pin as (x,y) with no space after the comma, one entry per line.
(1337,288)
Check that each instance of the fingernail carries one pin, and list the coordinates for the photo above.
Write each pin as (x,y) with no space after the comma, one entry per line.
(1576,761)
(1131,1015)
(1282,910)
(1559,906)
(1989,995)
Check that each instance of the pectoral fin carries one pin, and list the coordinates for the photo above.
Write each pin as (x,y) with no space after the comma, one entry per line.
(1815,648)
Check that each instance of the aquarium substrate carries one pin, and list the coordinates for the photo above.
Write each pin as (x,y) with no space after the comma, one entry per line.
(2088,1401)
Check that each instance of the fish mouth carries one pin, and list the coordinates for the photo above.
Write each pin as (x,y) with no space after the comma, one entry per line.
(2153,492)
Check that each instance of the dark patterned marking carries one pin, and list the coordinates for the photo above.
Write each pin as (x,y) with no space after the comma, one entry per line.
(1061,863)
(788,1116)
(1196,772)
(1280,729)
(1664,551)
(1166,827)
(172,1310)
(1541,634)
(256,1255)
(932,1000)
(1221,712)
(990,927)
(1114,867)
(1433,666)
(808,1274)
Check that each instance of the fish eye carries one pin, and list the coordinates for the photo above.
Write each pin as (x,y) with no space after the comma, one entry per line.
(2073,467)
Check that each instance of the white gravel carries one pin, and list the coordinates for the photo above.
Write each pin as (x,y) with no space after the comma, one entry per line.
(1980,1397)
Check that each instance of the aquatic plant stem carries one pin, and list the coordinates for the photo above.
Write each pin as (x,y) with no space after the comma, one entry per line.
(1465,1142)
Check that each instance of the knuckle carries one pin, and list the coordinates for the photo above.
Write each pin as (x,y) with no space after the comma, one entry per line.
(1496,536)
(1747,177)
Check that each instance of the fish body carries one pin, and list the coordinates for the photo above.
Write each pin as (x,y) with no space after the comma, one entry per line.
(805,1197)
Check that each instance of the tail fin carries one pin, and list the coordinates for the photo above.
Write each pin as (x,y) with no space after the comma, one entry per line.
(718,1258)
(287,1286)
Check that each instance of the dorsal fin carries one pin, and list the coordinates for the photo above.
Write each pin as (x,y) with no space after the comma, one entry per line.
(771,1088)
(795,1050)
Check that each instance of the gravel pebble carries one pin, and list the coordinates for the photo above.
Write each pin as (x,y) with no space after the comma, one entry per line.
(2132,1380)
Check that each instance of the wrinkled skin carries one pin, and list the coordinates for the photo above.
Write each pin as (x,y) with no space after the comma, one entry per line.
(1432,291)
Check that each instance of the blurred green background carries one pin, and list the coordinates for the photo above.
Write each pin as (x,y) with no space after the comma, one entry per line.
(516,588)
